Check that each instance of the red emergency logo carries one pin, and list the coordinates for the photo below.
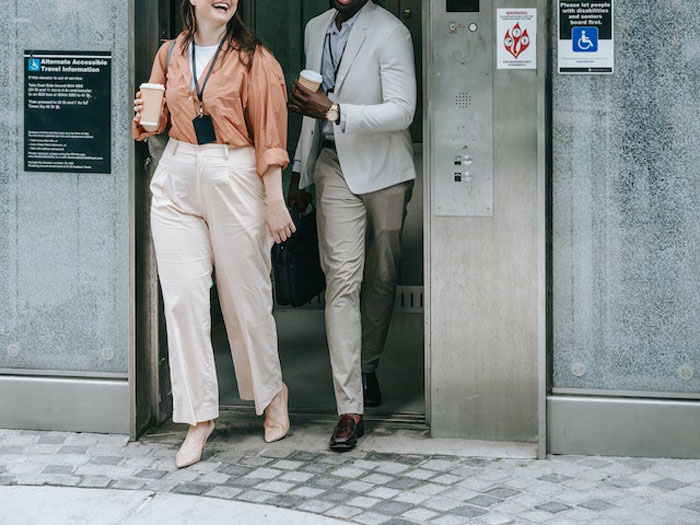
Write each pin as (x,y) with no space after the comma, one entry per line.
(516,40)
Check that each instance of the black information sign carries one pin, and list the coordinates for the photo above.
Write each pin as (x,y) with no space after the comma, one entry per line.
(67,111)
(592,13)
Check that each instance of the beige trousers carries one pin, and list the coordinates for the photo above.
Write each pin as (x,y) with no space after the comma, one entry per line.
(360,249)
(208,212)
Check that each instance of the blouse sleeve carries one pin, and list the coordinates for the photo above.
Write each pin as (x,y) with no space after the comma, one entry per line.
(267,111)
(157,77)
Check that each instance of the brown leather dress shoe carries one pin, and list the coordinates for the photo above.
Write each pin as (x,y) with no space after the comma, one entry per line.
(346,433)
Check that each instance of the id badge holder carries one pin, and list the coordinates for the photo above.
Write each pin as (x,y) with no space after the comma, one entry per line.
(204,129)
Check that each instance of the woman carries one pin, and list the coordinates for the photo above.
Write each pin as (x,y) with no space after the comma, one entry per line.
(217,203)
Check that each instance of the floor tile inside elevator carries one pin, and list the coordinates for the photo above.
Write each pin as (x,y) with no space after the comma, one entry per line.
(306,365)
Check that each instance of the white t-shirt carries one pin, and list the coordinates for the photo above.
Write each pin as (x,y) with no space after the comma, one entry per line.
(204,55)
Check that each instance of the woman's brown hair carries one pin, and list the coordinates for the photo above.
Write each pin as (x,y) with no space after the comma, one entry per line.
(238,36)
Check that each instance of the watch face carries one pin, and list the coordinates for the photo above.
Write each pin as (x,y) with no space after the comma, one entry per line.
(332,114)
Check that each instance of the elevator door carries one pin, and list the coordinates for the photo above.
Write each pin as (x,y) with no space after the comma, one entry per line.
(302,337)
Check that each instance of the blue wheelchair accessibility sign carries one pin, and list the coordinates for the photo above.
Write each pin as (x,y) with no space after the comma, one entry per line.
(585,39)
(34,64)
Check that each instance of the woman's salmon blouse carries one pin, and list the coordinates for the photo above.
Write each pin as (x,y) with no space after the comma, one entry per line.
(248,106)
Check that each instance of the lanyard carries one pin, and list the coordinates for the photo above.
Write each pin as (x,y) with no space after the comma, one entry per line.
(200,92)
(336,67)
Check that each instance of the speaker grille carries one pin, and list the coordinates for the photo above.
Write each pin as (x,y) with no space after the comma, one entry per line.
(463,100)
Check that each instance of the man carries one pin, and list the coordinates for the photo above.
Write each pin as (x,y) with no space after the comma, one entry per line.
(355,146)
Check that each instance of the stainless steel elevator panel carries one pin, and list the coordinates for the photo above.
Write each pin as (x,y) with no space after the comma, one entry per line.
(485,243)
(462,140)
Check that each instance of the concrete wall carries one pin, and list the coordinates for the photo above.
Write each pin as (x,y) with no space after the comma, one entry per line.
(626,218)
(64,237)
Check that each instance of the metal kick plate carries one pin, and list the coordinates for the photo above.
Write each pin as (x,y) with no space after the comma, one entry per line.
(462,136)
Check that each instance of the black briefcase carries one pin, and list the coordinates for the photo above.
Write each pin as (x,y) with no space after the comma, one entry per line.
(296,264)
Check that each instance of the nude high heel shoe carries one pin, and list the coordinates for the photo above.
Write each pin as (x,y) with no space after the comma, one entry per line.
(277,417)
(191,450)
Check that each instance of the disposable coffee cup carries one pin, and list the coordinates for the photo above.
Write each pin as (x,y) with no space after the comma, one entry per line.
(310,80)
(152,95)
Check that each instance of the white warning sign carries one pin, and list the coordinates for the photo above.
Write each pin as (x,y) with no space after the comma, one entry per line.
(517,38)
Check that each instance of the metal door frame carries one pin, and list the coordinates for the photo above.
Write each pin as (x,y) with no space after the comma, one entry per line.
(150,397)
(150,367)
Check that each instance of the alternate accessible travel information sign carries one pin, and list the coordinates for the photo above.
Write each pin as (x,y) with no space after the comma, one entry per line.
(586,37)
(67,111)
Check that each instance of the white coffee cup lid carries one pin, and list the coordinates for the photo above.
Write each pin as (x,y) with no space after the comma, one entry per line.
(153,86)
(312,76)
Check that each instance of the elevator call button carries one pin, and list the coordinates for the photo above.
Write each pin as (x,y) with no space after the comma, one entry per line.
(463,160)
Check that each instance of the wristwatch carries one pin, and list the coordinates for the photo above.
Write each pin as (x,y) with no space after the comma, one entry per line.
(333,114)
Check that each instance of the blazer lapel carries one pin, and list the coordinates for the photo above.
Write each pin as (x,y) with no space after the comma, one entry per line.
(316,45)
(357,38)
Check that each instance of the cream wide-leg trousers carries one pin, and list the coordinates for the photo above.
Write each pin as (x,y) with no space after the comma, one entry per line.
(208,212)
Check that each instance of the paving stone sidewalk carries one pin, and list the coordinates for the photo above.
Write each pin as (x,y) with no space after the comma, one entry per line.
(368,487)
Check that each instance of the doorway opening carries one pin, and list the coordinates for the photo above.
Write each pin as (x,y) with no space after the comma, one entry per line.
(302,336)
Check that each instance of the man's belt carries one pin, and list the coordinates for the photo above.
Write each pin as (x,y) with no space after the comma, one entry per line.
(327,143)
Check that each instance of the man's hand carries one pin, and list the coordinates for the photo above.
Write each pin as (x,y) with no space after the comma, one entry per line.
(298,197)
(308,103)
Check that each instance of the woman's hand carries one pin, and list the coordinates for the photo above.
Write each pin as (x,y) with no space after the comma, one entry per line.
(138,106)
(279,222)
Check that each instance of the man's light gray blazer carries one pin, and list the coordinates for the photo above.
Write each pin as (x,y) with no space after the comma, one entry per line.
(376,87)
